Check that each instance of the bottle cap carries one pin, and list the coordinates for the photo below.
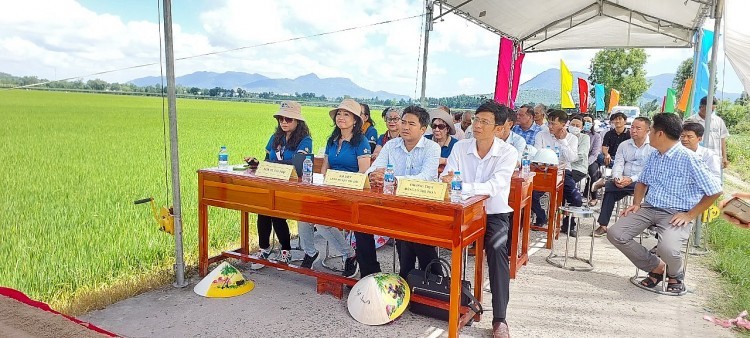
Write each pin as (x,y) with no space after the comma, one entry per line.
(457,172)
(390,166)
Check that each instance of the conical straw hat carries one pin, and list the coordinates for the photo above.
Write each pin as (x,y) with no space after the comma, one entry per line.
(378,298)
(224,281)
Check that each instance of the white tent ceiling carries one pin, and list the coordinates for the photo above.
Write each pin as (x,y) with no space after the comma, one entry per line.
(544,25)
(737,39)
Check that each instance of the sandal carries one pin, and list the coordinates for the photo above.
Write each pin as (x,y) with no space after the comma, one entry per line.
(652,280)
(677,287)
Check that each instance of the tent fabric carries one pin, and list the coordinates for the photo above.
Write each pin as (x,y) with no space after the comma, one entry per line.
(544,25)
(737,39)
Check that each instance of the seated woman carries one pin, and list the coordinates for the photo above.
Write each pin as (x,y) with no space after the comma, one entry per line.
(291,136)
(442,129)
(392,118)
(346,150)
(368,127)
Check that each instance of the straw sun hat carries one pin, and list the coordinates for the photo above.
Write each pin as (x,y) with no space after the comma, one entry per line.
(350,106)
(290,109)
(446,117)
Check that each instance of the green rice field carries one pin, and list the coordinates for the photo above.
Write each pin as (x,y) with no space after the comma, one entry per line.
(71,166)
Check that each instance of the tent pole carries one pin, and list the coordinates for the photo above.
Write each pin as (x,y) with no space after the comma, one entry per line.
(427,29)
(696,60)
(179,266)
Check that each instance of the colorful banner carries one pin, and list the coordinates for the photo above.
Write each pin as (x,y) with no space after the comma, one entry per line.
(566,87)
(504,61)
(614,98)
(701,76)
(583,95)
(670,101)
(685,96)
(599,96)
(663,103)
(516,76)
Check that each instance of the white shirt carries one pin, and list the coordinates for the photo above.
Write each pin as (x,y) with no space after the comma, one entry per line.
(469,132)
(711,159)
(568,146)
(630,160)
(420,163)
(460,135)
(485,176)
(518,142)
(718,131)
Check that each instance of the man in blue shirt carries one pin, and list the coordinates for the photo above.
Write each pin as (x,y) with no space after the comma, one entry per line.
(415,157)
(680,187)
(526,126)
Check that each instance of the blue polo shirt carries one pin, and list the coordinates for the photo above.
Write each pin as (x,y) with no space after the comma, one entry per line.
(345,159)
(371,134)
(445,151)
(304,146)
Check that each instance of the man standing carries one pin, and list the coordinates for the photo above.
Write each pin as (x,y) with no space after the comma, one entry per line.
(691,137)
(629,162)
(415,157)
(486,164)
(526,127)
(717,138)
(557,137)
(680,188)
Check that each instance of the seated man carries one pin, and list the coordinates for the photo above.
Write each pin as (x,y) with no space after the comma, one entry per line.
(691,137)
(567,144)
(525,126)
(506,134)
(580,167)
(412,156)
(486,164)
(629,161)
(680,188)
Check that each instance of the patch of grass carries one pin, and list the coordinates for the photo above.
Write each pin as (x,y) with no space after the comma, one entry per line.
(731,259)
(738,153)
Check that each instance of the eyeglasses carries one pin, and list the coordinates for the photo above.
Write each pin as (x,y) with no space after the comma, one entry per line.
(393,119)
(483,122)
(284,119)
(439,126)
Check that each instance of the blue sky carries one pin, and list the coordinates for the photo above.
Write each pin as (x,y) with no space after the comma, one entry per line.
(95,36)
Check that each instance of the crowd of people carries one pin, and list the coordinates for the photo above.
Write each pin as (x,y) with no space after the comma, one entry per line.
(658,161)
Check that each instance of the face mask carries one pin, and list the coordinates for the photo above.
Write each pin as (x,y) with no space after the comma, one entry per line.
(574,130)
(587,126)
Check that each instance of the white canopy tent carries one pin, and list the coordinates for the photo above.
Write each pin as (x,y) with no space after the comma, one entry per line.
(737,39)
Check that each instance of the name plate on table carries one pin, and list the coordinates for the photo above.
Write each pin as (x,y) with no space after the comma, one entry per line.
(275,170)
(345,179)
(436,191)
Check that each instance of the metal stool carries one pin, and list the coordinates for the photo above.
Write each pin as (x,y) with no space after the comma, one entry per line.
(663,289)
(554,259)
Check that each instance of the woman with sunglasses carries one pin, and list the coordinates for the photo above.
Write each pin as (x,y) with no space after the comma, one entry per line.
(292,136)
(346,150)
(368,127)
(442,129)
(392,118)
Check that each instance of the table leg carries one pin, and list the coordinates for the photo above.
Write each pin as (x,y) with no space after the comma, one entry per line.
(526,230)
(515,230)
(245,232)
(479,270)
(202,239)
(455,296)
(552,218)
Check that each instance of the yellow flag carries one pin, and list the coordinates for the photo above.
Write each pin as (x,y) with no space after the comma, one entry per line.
(566,87)
(614,98)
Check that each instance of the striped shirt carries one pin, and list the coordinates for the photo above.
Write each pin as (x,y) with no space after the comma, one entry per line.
(420,163)
(677,180)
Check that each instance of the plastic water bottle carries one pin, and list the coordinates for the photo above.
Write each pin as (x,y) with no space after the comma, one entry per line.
(456,187)
(223,158)
(525,165)
(307,170)
(389,180)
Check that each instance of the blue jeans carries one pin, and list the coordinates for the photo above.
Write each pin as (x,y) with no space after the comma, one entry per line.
(332,235)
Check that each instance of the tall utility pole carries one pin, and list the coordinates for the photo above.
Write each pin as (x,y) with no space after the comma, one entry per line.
(179,266)
(427,29)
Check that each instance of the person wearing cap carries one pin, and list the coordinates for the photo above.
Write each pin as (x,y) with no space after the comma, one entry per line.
(486,165)
(368,127)
(719,132)
(442,129)
(392,118)
(413,157)
(292,136)
(346,150)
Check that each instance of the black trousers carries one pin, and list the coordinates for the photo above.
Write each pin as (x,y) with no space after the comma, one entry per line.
(367,258)
(280,227)
(612,194)
(594,175)
(409,253)
(571,194)
(495,247)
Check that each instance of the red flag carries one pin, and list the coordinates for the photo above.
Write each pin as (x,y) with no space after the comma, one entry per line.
(583,94)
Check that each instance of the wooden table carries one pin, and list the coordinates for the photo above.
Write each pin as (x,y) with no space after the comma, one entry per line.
(550,179)
(441,223)
(520,201)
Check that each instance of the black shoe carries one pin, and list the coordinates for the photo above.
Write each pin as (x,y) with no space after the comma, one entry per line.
(573,233)
(350,267)
(308,261)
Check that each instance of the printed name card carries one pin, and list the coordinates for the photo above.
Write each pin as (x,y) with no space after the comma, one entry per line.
(275,170)
(345,179)
(436,191)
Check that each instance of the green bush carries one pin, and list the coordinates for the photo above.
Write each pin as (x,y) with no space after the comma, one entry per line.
(741,128)
(732,114)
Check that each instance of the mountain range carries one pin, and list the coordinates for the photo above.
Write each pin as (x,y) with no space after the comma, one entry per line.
(256,83)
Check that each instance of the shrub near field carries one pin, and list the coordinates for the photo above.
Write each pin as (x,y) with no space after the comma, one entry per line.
(71,166)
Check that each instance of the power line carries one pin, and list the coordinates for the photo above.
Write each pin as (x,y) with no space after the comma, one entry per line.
(224,51)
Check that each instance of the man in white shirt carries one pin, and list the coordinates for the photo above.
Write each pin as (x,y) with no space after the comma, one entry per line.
(629,163)
(557,138)
(540,112)
(486,164)
(507,135)
(464,127)
(719,132)
(691,136)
